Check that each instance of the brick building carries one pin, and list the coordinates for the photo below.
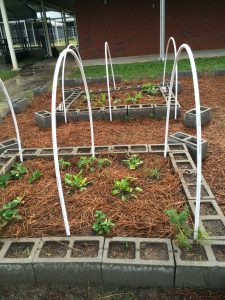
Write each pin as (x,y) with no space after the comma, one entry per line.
(132,27)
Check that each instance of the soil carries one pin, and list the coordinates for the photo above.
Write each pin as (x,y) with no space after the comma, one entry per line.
(207,209)
(85,249)
(214,227)
(19,250)
(154,251)
(196,253)
(219,252)
(120,250)
(143,216)
(54,249)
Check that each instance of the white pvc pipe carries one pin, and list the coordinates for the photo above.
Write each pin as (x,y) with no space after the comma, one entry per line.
(107,52)
(14,118)
(171,39)
(198,127)
(162,29)
(54,137)
(63,76)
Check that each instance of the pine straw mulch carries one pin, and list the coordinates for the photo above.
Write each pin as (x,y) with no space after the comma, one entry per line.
(143,217)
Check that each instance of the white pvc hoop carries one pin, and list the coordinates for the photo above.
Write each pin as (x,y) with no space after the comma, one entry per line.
(171,39)
(198,127)
(14,118)
(54,137)
(107,51)
(63,76)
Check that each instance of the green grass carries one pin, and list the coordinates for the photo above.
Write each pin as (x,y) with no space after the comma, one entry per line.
(6,74)
(152,69)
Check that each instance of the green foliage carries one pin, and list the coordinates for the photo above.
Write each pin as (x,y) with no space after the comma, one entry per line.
(86,162)
(35,176)
(9,212)
(101,224)
(154,173)
(124,188)
(64,164)
(133,99)
(102,100)
(133,161)
(104,162)
(116,101)
(76,182)
(180,221)
(18,171)
(4,179)
(150,88)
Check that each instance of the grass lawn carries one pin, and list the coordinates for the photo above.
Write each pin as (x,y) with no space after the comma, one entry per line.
(6,74)
(153,69)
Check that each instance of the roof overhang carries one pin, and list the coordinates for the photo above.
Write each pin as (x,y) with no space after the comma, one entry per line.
(65,5)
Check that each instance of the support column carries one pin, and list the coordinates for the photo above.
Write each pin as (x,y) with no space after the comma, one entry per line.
(162,29)
(65,30)
(56,32)
(49,49)
(34,38)
(8,36)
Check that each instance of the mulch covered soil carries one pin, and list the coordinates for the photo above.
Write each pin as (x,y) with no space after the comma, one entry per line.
(126,132)
(143,216)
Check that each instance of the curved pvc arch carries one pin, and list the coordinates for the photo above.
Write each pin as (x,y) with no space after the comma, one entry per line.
(63,76)
(107,51)
(171,39)
(198,127)
(14,118)
(54,137)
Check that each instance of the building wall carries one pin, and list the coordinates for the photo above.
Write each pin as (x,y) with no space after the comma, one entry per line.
(131,27)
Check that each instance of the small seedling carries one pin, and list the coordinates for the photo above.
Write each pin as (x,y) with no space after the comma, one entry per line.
(116,101)
(18,171)
(180,221)
(64,164)
(104,162)
(102,100)
(132,99)
(35,176)
(4,179)
(76,182)
(85,162)
(150,88)
(9,212)
(101,224)
(154,173)
(133,161)
(124,189)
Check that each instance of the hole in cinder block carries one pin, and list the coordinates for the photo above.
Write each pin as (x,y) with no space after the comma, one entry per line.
(120,148)
(29,151)
(219,252)
(190,178)
(180,156)
(157,147)
(146,105)
(3,161)
(46,151)
(214,227)
(19,250)
(54,249)
(12,151)
(192,190)
(154,251)
(207,209)
(10,142)
(196,253)
(184,165)
(134,106)
(121,250)
(1,245)
(83,150)
(65,150)
(192,140)
(85,249)
(101,149)
(180,135)
(176,147)
(138,148)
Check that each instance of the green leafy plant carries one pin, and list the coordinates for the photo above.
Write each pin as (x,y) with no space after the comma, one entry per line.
(124,188)
(154,173)
(35,176)
(86,162)
(64,164)
(133,161)
(18,171)
(101,224)
(104,162)
(180,221)
(4,179)
(116,101)
(102,100)
(76,182)
(133,99)
(9,212)
(150,88)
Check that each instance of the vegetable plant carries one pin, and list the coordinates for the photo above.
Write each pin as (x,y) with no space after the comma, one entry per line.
(133,99)
(76,182)
(4,179)
(64,164)
(154,173)
(150,88)
(104,162)
(85,162)
(101,224)
(124,188)
(102,100)
(18,171)
(133,161)
(9,212)
(35,176)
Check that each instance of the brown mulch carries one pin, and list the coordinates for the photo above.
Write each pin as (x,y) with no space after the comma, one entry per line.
(143,216)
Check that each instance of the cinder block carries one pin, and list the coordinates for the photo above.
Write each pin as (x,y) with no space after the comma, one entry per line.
(102,149)
(138,262)
(161,111)
(40,90)
(190,116)
(16,261)
(119,112)
(167,85)
(8,144)
(121,148)
(135,111)
(83,114)
(19,105)
(69,260)
(6,163)
(43,119)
